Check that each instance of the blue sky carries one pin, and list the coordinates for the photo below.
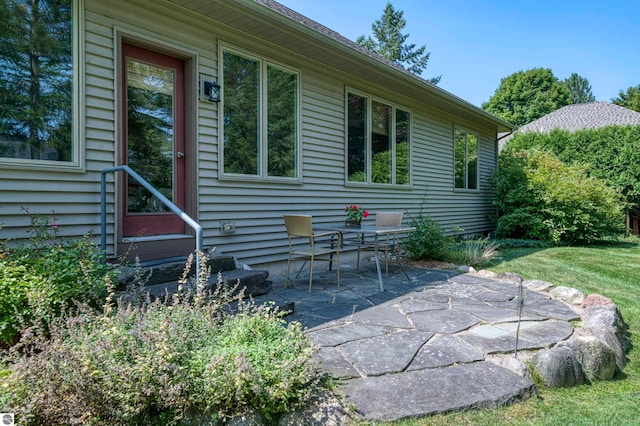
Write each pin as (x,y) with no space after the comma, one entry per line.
(474,44)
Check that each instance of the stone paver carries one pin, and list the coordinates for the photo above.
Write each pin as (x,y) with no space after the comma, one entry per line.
(421,346)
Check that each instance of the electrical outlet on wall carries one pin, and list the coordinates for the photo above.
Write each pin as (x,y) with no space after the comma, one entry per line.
(228,226)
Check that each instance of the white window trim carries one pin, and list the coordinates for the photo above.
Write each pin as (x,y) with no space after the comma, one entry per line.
(368,142)
(263,155)
(77,109)
(466,159)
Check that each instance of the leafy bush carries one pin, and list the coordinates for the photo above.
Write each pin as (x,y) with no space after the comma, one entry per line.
(40,275)
(428,241)
(540,197)
(190,360)
(612,153)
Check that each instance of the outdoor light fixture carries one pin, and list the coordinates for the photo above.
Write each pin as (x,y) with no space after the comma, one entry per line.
(211,90)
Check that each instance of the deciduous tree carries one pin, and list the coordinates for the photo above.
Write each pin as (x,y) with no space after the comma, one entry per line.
(525,96)
(629,98)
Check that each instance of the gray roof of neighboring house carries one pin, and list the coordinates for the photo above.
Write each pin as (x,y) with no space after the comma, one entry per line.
(579,117)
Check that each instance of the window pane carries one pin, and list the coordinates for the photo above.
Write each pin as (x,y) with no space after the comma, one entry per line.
(281,119)
(459,158)
(380,143)
(241,114)
(357,117)
(472,161)
(402,147)
(150,132)
(36,75)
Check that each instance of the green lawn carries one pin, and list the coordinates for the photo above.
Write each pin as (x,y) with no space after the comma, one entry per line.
(609,269)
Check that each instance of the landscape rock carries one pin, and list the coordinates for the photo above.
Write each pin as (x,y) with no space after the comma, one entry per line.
(608,316)
(487,274)
(558,367)
(321,411)
(510,277)
(597,359)
(595,299)
(608,337)
(465,269)
(567,295)
(515,365)
(538,285)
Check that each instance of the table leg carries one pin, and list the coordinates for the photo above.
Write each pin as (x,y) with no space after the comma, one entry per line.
(378,263)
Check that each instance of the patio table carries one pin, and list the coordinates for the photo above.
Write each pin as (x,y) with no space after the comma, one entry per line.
(377,232)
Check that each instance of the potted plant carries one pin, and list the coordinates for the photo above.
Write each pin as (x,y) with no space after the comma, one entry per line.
(355,214)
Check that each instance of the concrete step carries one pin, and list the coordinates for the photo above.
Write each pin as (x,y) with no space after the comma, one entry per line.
(168,270)
(254,282)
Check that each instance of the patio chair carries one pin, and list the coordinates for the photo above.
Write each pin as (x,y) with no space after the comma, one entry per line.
(320,246)
(389,243)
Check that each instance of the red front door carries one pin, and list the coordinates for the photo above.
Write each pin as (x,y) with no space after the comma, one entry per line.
(153,140)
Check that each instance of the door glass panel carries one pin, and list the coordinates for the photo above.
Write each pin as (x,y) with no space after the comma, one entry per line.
(150,134)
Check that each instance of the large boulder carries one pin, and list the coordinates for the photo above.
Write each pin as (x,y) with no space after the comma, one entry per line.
(558,367)
(597,359)
(538,285)
(607,316)
(568,295)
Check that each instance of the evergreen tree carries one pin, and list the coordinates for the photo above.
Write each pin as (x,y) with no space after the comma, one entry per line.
(391,44)
(36,79)
(579,89)
(629,99)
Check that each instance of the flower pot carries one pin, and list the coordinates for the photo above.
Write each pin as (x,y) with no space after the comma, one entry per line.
(349,223)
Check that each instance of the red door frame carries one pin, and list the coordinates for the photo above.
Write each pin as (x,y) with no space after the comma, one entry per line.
(141,224)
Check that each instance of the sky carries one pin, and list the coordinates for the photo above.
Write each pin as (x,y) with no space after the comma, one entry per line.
(474,44)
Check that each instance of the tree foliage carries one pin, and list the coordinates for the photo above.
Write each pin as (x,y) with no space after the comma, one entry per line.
(612,153)
(525,96)
(36,79)
(392,44)
(579,89)
(629,98)
(540,197)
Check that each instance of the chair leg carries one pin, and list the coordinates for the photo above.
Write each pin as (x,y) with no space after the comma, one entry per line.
(386,258)
(286,280)
(338,267)
(310,273)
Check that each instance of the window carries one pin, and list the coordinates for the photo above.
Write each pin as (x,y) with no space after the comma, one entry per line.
(378,138)
(260,118)
(465,159)
(38,91)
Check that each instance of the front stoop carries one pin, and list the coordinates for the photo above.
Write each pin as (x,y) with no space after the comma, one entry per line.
(168,270)
(161,278)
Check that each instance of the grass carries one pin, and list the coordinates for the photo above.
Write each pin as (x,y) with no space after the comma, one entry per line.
(610,269)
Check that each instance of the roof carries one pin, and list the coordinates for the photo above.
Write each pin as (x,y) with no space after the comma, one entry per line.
(277,24)
(576,117)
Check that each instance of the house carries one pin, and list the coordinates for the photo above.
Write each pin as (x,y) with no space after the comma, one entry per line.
(576,117)
(238,112)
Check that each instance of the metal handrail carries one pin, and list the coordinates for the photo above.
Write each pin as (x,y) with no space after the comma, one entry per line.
(175,209)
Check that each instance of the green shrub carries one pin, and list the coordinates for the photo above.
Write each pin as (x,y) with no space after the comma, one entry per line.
(190,359)
(540,197)
(613,153)
(40,275)
(428,241)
